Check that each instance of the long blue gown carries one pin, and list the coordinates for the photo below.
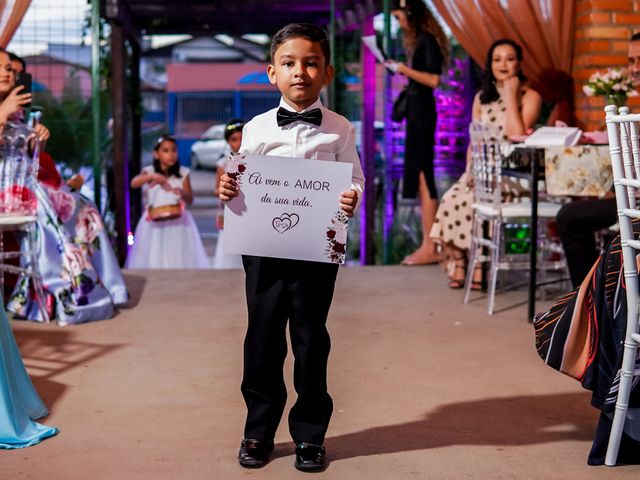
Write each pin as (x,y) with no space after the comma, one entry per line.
(20,404)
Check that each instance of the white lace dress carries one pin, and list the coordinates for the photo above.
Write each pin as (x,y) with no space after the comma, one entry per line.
(169,243)
(223,260)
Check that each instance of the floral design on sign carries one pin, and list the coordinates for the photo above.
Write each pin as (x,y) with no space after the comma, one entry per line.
(236,166)
(285,222)
(337,237)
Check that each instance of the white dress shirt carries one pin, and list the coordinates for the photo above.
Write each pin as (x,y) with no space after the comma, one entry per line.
(334,140)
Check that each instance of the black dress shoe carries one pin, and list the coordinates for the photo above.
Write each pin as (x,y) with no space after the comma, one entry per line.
(310,457)
(254,453)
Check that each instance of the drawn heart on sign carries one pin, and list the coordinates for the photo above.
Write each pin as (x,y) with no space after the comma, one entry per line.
(285,222)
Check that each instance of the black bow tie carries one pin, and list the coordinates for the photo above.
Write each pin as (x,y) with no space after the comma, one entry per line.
(285,117)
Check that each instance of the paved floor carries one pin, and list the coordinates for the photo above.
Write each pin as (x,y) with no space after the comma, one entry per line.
(424,387)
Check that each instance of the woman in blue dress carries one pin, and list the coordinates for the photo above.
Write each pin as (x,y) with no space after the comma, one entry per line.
(20,404)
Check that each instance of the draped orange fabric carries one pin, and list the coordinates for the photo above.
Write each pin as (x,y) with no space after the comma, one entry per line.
(544,29)
(11,14)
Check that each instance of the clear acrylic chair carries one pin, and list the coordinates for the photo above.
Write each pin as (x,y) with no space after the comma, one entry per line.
(491,212)
(624,149)
(19,153)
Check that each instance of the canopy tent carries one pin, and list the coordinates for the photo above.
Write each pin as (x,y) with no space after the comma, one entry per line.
(197,17)
(130,19)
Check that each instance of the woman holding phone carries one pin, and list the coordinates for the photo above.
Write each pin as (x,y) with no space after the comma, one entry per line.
(15,97)
(82,278)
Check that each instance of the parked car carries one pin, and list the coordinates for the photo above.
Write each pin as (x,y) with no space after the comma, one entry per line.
(209,149)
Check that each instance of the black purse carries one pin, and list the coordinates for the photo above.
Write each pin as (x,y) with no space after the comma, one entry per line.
(399,110)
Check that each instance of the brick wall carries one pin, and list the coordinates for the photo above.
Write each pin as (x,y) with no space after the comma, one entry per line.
(603,29)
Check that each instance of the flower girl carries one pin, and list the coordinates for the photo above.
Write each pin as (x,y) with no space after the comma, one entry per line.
(166,236)
(233,136)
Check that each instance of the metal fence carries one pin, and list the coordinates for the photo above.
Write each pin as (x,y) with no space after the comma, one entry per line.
(190,114)
(50,40)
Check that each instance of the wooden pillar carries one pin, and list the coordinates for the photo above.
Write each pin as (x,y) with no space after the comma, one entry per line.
(136,130)
(368,205)
(120,140)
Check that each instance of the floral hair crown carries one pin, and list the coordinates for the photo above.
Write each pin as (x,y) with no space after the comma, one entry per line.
(164,138)
(233,126)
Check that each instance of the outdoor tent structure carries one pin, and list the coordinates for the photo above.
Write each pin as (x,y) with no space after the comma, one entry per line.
(130,19)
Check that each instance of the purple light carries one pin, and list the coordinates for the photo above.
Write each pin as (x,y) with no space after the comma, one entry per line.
(452,105)
(368,143)
(453,101)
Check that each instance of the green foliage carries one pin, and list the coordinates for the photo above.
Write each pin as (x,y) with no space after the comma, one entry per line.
(69,119)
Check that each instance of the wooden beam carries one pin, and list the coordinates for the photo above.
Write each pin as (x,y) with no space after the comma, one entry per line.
(118,12)
(201,17)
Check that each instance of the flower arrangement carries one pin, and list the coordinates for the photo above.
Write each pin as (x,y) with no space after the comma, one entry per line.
(615,86)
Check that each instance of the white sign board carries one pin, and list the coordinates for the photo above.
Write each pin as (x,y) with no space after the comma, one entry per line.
(287,208)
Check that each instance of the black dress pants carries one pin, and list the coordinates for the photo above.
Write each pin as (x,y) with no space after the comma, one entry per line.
(298,292)
(577,223)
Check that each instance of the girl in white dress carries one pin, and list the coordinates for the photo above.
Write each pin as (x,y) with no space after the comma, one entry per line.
(166,235)
(233,136)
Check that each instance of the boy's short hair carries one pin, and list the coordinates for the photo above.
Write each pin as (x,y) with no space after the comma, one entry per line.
(635,37)
(302,30)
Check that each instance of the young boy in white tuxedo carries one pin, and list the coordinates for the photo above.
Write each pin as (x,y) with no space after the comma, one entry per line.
(280,290)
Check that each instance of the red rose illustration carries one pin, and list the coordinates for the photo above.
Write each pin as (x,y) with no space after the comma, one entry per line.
(241,167)
(336,248)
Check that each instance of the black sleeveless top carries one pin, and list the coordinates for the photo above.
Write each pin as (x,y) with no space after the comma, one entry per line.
(427,57)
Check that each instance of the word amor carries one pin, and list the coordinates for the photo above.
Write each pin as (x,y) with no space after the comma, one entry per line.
(317,185)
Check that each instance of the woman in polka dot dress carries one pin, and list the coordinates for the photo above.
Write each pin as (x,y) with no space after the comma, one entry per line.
(506,102)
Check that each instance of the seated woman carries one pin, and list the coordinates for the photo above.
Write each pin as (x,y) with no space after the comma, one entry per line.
(80,272)
(512,107)
(583,335)
(20,404)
